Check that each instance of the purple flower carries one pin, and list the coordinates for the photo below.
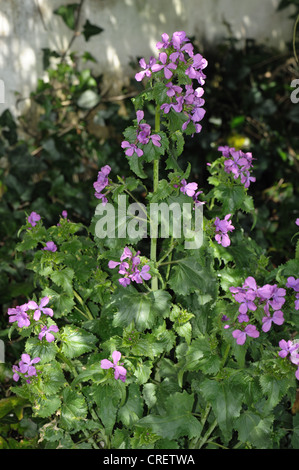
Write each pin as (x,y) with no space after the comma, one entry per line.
(293,283)
(119,371)
(222,228)
(41,308)
(129,270)
(16,371)
(195,69)
(19,315)
(50,246)
(287,347)
(273,296)
(167,67)
(277,318)
(240,336)
(173,89)
(250,283)
(64,214)
(147,69)
(246,300)
(188,188)
(297,221)
(101,183)
(155,138)
(33,218)
(165,43)
(47,333)
(197,203)
(131,149)
(139,276)
(25,365)
(238,163)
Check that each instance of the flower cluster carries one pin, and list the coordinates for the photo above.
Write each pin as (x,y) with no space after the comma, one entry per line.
(19,314)
(101,183)
(290,349)
(271,297)
(119,371)
(26,315)
(31,311)
(25,368)
(222,228)
(143,136)
(293,283)
(238,163)
(250,296)
(130,269)
(178,53)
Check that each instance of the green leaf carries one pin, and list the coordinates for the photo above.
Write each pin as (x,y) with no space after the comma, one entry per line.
(107,398)
(177,419)
(274,388)
(46,406)
(90,30)
(52,378)
(254,429)
(191,274)
(201,356)
(76,341)
(73,410)
(136,165)
(12,404)
(163,190)
(67,13)
(140,308)
(226,398)
(149,394)
(132,410)
(232,197)
(62,303)
(63,278)
(37,348)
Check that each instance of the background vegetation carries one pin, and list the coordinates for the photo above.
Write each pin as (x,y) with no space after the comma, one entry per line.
(50,157)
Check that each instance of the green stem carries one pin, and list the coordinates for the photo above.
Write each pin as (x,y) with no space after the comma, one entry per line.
(207,434)
(172,246)
(80,300)
(68,362)
(155,188)
(225,356)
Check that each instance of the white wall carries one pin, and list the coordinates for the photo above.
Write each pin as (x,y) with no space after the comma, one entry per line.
(132,28)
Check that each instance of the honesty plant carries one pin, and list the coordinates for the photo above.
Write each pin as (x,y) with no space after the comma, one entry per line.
(206,334)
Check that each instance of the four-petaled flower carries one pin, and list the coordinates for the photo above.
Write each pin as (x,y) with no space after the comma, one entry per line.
(119,371)
(41,308)
(222,228)
(45,331)
(19,314)
(168,67)
(146,72)
(33,218)
(26,366)
(50,246)
(249,330)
